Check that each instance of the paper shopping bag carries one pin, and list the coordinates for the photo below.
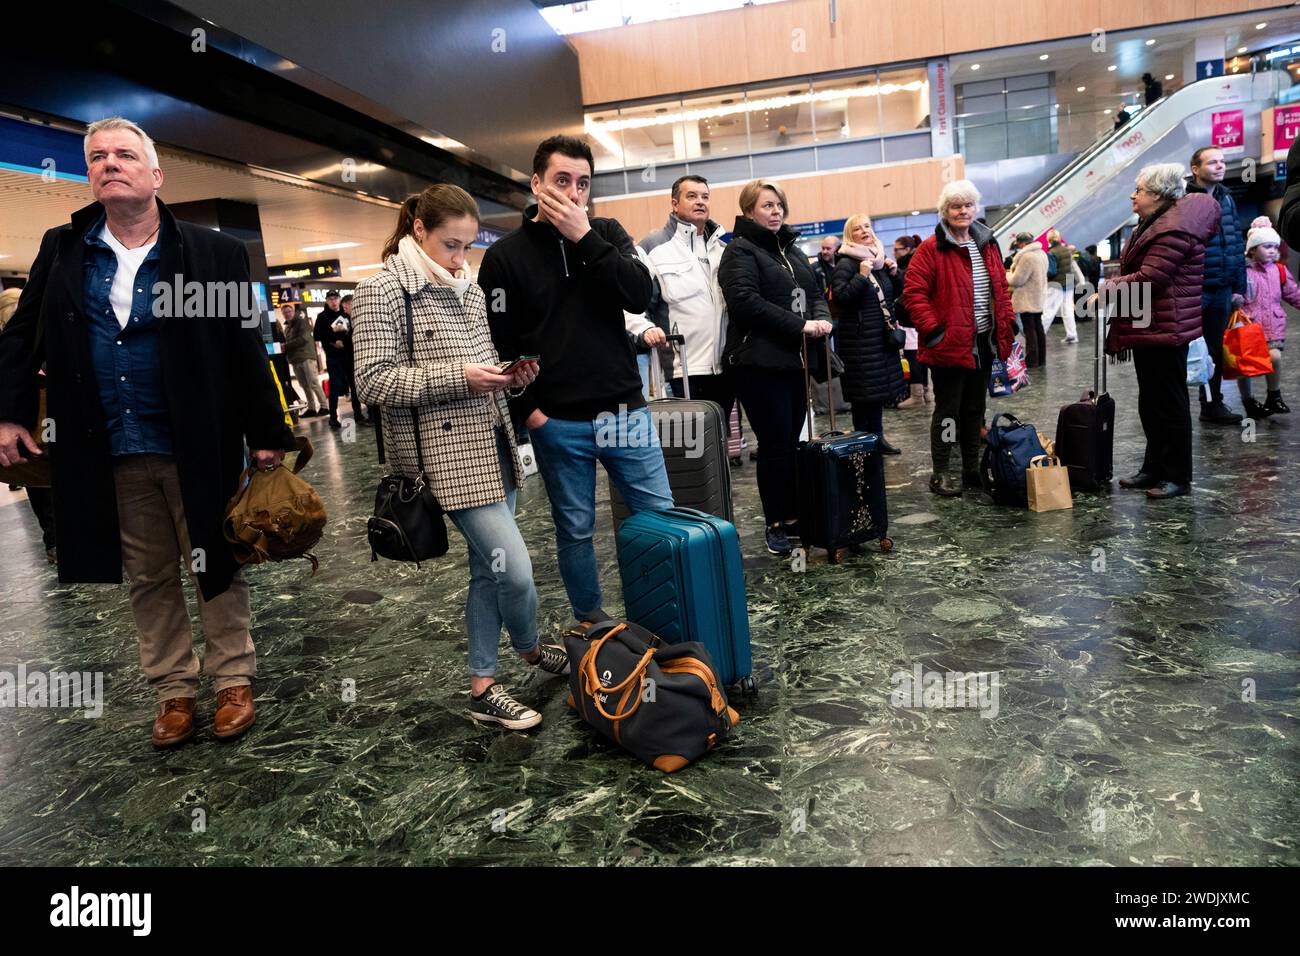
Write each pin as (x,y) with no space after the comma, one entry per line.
(1048,483)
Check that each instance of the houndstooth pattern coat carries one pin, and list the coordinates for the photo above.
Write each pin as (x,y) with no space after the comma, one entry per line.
(456,425)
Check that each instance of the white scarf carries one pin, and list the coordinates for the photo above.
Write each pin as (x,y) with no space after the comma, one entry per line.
(419,260)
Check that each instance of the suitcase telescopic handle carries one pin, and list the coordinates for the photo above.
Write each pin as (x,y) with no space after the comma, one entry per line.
(678,342)
(807,383)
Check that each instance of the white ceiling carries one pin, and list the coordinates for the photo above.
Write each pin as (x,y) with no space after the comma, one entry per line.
(1076,64)
(294,213)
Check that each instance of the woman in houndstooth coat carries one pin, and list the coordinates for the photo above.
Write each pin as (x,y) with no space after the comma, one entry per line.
(450,375)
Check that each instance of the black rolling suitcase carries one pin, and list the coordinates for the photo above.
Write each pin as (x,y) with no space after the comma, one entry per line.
(1085,430)
(841,488)
(699,476)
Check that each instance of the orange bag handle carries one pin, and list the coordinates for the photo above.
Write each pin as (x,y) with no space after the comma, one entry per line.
(591,681)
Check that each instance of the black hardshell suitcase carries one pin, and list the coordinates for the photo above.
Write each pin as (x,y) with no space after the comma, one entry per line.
(841,490)
(1085,430)
(700,478)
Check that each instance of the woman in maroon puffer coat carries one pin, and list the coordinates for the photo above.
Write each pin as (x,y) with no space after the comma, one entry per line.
(1155,311)
(956,295)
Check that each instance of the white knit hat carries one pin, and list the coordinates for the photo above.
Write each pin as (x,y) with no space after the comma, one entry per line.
(1262,235)
(1261,221)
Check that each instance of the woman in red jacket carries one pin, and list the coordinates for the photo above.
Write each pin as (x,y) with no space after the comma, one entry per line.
(956,296)
(1154,306)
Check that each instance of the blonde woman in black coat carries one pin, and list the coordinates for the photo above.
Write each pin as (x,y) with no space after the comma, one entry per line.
(862,292)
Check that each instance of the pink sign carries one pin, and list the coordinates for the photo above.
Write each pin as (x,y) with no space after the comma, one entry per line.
(1228,131)
(1286,127)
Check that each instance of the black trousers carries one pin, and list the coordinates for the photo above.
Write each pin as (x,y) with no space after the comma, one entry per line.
(711,388)
(42,502)
(959,399)
(1215,307)
(340,370)
(920,371)
(1165,411)
(777,407)
(1035,339)
(869,417)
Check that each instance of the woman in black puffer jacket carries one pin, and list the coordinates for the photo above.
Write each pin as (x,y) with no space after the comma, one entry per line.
(773,304)
(862,289)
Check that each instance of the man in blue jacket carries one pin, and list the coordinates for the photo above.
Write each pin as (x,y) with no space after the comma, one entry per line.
(1224,285)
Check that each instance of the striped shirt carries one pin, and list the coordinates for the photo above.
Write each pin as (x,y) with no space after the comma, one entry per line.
(980,276)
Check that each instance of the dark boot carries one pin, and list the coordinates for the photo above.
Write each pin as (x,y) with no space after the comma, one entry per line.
(944,487)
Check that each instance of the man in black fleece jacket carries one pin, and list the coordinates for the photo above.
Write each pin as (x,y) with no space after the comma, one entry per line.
(557,287)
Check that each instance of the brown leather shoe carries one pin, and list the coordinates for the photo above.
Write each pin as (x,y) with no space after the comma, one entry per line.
(175,723)
(234,712)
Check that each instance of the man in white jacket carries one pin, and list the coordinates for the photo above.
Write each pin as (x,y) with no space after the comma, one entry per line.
(683,258)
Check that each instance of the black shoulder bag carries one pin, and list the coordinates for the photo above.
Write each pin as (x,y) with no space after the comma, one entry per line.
(408,523)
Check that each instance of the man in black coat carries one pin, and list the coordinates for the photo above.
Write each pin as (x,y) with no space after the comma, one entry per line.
(157,376)
(1224,284)
(558,287)
(334,333)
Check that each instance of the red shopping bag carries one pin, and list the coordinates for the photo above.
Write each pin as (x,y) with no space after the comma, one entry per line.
(1245,349)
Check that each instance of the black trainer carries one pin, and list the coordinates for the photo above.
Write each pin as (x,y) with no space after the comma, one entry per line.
(1275,405)
(1142,480)
(944,487)
(552,660)
(496,706)
(777,541)
(1169,489)
(1217,413)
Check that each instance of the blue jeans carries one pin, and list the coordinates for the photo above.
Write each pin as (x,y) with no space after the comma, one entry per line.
(643,366)
(500,576)
(567,451)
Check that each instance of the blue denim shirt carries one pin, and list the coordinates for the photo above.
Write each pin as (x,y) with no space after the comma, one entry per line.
(127,362)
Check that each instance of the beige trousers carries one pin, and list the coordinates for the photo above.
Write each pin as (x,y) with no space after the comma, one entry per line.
(155,541)
(309,377)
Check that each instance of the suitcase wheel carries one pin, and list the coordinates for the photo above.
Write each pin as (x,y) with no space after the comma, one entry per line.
(747,686)
(886,544)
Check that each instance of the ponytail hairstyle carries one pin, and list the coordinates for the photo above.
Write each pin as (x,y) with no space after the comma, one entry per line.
(909,242)
(433,207)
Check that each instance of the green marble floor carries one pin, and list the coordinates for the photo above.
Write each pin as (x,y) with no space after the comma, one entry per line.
(1127,637)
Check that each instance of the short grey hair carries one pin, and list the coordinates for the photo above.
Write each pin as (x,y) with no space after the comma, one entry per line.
(961,191)
(118,122)
(1164,179)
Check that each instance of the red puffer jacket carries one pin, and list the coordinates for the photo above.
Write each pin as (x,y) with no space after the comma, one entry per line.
(1156,298)
(939,293)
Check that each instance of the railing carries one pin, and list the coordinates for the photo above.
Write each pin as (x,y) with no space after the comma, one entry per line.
(1114,153)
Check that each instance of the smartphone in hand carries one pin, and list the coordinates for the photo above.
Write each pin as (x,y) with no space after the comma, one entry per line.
(507,367)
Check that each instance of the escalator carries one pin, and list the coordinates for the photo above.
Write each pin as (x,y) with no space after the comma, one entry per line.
(1089,199)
